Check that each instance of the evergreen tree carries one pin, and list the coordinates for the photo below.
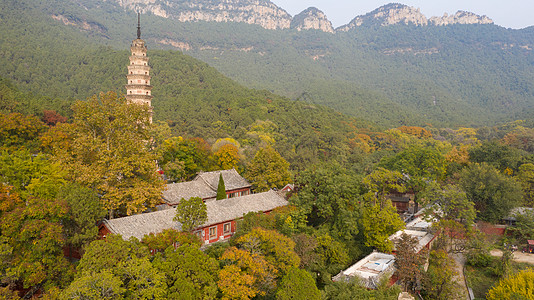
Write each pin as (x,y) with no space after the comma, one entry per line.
(191,213)
(221,189)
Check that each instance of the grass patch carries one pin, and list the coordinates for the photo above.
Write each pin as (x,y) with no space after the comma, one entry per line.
(482,278)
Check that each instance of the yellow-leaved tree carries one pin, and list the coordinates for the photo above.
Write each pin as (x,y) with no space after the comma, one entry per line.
(518,286)
(110,151)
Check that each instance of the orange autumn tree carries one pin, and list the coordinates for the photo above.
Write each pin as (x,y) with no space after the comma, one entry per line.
(416,131)
(245,274)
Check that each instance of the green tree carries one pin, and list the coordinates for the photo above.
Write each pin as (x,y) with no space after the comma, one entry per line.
(169,237)
(107,254)
(379,222)
(493,193)
(526,177)
(518,286)
(496,154)
(329,196)
(191,213)
(110,153)
(182,158)
(439,281)
(297,284)
(127,261)
(354,290)
(332,255)
(421,164)
(189,273)
(268,170)
(524,226)
(449,202)
(34,238)
(31,174)
(409,262)
(221,189)
(19,131)
(277,249)
(94,286)
(85,210)
(382,181)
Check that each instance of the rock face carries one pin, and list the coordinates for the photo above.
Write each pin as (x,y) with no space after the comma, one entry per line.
(80,23)
(395,13)
(461,17)
(269,16)
(260,12)
(312,18)
(389,14)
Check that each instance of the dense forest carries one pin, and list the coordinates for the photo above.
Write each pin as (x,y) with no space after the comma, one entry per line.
(73,152)
(392,75)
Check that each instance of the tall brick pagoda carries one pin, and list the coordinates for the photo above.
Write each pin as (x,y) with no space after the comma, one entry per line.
(138,88)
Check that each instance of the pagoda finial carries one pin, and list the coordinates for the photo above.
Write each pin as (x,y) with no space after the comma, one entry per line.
(138,25)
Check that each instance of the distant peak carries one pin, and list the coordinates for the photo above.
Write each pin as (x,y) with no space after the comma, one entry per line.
(312,18)
(397,13)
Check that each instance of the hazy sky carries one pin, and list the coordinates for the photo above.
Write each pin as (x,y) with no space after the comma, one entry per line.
(506,13)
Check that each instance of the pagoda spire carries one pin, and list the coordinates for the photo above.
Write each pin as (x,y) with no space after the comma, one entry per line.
(138,25)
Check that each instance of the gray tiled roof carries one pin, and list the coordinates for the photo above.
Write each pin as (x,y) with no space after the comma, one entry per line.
(176,191)
(232,179)
(203,186)
(233,208)
(218,211)
(140,225)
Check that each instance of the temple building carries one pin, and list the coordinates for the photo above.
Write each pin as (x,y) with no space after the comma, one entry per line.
(138,88)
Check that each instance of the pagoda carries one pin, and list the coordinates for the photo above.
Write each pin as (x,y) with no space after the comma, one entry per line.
(138,88)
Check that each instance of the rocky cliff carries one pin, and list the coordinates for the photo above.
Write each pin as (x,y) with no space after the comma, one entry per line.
(260,12)
(461,17)
(269,16)
(395,13)
(312,18)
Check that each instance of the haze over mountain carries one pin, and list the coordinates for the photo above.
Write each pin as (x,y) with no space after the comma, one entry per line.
(392,66)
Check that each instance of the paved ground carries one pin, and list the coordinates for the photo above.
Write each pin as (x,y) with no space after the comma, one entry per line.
(460,262)
(518,256)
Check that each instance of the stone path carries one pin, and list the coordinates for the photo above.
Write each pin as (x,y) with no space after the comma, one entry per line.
(459,258)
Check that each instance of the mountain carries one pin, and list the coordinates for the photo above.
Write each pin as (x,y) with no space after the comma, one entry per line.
(400,74)
(259,12)
(395,13)
(50,64)
(312,18)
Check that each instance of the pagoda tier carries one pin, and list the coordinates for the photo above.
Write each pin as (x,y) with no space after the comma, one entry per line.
(138,88)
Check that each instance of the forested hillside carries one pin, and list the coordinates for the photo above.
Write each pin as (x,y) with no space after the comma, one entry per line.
(74,156)
(393,75)
(46,58)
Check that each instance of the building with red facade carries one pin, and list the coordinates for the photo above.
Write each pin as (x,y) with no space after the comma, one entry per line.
(221,224)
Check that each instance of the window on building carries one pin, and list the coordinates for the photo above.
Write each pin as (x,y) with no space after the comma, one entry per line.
(227,228)
(213,232)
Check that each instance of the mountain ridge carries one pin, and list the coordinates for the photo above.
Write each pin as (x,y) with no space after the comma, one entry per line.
(270,16)
(456,75)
